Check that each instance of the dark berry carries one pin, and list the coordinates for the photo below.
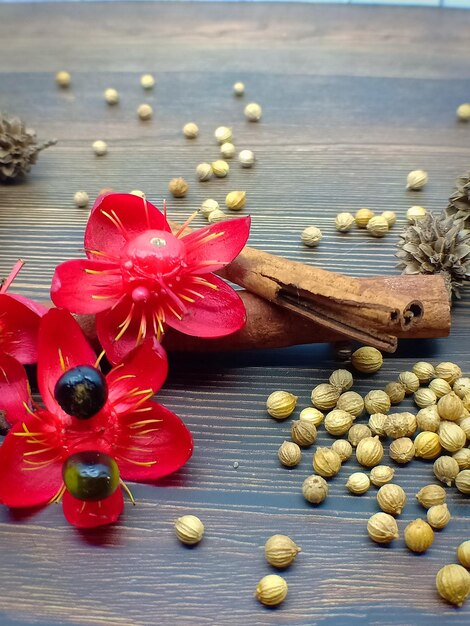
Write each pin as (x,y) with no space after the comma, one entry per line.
(81,391)
(90,475)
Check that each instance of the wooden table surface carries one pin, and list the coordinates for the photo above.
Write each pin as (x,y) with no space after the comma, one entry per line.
(353,98)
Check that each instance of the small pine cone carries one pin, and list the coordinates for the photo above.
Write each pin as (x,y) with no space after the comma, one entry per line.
(459,202)
(436,245)
(18,148)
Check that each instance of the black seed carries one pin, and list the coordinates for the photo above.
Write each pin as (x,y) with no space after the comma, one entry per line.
(81,391)
(90,475)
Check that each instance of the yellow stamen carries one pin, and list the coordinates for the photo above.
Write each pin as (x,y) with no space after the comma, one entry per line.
(62,361)
(202,281)
(187,298)
(125,324)
(186,224)
(38,452)
(144,422)
(139,463)
(128,491)
(98,360)
(177,315)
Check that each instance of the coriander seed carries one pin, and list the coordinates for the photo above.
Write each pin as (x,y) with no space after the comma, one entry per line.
(63,79)
(428,419)
(381,475)
(463,554)
(253,112)
(396,425)
(191,130)
(147,81)
(463,112)
(338,422)
(358,432)
(351,402)
(410,382)
(377,226)
(367,360)
(238,89)
(382,528)
(326,462)
(311,415)
(235,200)
(391,217)
(419,536)
(216,216)
(424,371)
(369,451)
(111,96)
(246,158)
(315,489)
(377,401)
(463,458)
(416,213)
(311,236)
(461,387)
(358,483)
(448,371)
(391,498)
(395,391)
(344,222)
(280,404)
(189,529)
(100,148)
(377,423)
(178,187)
(440,387)
(81,199)
(289,454)
(430,495)
(362,217)
(145,112)
(451,436)
(303,433)
(438,516)
(343,448)
(280,551)
(220,168)
(427,445)
(416,180)
(325,396)
(208,206)
(138,193)
(223,134)
(227,150)
(424,397)
(402,450)
(450,407)
(271,590)
(204,171)
(453,584)
(342,379)
(462,481)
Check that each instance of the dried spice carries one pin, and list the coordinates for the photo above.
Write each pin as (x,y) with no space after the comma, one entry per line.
(391,498)
(450,407)
(63,79)
(220,168)
(216,216)
(367,360)
(204,172)
(235,200)
(381,475)
(396,425)
(416,180)
(81,199)
(362,217)
(436,245)
(326,462)
(315,489)
(312,415)
(438,516)
(246,158)
(253,112)
(238,89)
(342,379)
(416,213)
(410,382)
(402,450)
(377,424)
(351,402)
(395,391)
(451,436)
(223,134)
(100,147)
(377,401)
(462,481)
(463,112)
(111,96)
(271,590)
(382,528)
(369,451)
(424,397)
(227,150)
(191,130)
(289,454)
(453,584)
(463,458)
(178,187)
(377,226)
(338,422)
(344,222)
(445,469)
(303,433)
(19,148)
(450,372)
(147,81)
(343,448)
(427,445)
(358,483)
(461,387)
(391,217)
(189,529)
(311,236)
(428,419)
(325,396)
(208,206)
(463,554)
(459,202)
(419,536)
(424,371)
(440,387)
(430,495)
(280,404)
(145,112)
(358,432)
(280,551)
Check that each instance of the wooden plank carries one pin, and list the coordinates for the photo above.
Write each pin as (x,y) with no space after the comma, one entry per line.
(353,98)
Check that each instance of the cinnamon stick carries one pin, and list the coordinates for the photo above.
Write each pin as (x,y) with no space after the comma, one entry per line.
(342,305)
(271,326)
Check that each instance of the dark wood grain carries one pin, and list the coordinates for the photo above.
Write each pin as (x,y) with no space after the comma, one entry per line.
(353,98)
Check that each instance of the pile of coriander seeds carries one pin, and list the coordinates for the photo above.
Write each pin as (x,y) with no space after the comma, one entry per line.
(437,430)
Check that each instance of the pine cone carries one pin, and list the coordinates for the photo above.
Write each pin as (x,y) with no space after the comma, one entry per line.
(18,148)
(459,202)
(435,245)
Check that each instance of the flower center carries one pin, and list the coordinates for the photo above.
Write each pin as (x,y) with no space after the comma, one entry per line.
(150,262)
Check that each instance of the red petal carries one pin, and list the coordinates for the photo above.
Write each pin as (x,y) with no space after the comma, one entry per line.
(19,326)
(36,307)
(109,325)
(229,238)
(27,479)
(220,313)
(59,336)
(76,289)
(152,443)
(135,214)
(83,514)
(145,368)
(14,389)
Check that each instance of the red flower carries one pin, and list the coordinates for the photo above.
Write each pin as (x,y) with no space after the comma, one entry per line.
(139,277)
(19,322)
(146,440)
